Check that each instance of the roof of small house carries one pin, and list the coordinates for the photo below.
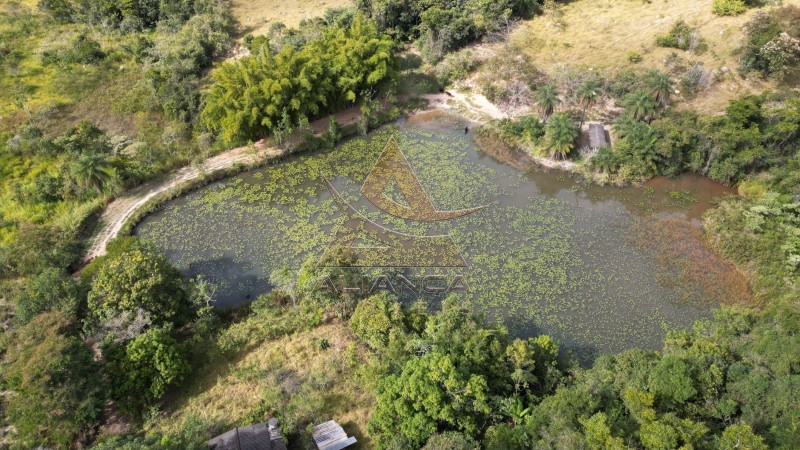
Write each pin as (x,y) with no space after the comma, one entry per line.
(258,436)
(597,135)
(331,436)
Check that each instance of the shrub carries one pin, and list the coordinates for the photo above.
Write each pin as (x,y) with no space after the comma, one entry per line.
(782,55)
(56,386)
(375,320)
(51,290)
(681,36)
(455,66)
(633,57)
(696,79)
(38,247)
(81,50)
(728,7)
(450,441)
(624,83)
(140,372)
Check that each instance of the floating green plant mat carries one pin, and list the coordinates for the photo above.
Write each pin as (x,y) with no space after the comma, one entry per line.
(547,254)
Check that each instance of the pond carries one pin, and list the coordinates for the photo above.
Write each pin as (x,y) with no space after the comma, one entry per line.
(601,269)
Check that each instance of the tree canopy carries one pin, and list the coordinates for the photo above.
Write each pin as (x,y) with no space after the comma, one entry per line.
(343,66)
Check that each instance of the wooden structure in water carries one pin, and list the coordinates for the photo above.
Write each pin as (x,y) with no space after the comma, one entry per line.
(331,436)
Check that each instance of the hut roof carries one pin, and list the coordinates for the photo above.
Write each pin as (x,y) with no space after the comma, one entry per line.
(252,437)
(597,135)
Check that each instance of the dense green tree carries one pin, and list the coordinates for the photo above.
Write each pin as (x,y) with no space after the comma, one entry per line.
(376,320)
(741,436)
(458,370)
(671,382)
(637,151)
(138,278)
(141,371)
(249,96)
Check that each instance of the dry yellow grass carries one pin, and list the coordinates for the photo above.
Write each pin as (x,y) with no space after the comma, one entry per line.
(255,16)
(228,393)
(600,33)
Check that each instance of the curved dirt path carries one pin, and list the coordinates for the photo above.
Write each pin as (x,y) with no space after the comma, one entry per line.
(475,107)
(123,208)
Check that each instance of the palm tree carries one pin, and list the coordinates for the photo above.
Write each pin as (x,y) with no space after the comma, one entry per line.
(604,160)
(93,170)
(587,94)
(640,104)
(547,99)
(660,86)
(623,126)
(560,134)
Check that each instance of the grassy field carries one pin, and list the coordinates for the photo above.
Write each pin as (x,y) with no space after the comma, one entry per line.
(289,376)
(600,33)
(255,16)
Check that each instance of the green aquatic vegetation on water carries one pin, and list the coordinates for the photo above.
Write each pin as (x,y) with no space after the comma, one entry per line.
(546,255)
(682,199)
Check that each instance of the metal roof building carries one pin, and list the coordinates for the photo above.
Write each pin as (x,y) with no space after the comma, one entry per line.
(331,436)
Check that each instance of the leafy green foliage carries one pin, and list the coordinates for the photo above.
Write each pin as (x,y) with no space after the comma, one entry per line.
(138,278)
(56,388)
(728,7)
(443,26)
(458,371)
(177,60)
(377,320)
(680,36)
(38,247)
(51,290)
(128,16)
(140,372)
(249,96)
(560,135)
(771,46)
(754,134)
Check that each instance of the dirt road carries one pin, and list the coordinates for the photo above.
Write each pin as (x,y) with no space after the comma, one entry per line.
(123,208)
(474,106)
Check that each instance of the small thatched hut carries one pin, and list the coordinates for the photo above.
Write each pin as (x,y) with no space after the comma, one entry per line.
(597,135)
